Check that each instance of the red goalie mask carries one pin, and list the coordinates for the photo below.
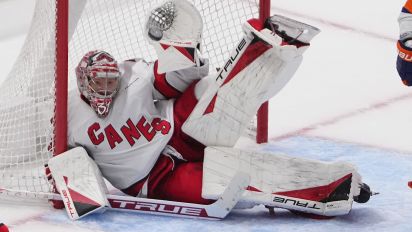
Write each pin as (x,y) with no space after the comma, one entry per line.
(98,80)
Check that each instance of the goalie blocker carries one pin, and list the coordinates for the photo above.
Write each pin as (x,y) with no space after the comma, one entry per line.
(79,182)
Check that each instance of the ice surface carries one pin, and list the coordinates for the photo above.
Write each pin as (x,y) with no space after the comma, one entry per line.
(346,102)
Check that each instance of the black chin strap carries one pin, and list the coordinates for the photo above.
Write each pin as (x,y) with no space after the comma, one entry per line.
(84,99)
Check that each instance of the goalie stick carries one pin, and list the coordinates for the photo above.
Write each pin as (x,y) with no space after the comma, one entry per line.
(216,211)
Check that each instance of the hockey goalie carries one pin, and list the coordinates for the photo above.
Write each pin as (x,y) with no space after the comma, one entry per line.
(167,129)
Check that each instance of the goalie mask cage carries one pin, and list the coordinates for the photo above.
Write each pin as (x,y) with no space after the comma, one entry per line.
(33,97)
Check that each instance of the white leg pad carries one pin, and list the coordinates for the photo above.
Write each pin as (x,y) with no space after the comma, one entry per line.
(282,181)
(231,98)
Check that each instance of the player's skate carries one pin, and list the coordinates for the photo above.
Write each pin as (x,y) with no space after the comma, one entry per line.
(364,195)
(306,186)
(262,63)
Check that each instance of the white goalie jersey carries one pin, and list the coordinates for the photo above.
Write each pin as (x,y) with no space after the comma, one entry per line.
(127,143)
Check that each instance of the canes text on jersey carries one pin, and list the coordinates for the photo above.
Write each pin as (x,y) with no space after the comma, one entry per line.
(130,131)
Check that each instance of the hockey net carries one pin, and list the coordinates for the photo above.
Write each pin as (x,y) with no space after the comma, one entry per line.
(28,94)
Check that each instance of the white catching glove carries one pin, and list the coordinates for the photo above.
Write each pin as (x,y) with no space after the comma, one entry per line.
(160,20)
(175,31)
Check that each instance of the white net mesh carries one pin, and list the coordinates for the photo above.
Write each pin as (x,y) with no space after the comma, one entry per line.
(118,28)
(26,107)
(27,96)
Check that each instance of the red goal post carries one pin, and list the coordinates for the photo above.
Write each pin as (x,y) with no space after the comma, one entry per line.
(263,113)
(34,96)
(62,58)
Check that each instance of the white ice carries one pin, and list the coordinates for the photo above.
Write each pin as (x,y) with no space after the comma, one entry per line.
(346,102)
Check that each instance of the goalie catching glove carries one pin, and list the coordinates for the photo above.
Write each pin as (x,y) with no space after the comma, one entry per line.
(174,29)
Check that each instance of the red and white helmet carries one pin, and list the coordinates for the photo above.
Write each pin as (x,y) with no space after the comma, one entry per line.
(98,80)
